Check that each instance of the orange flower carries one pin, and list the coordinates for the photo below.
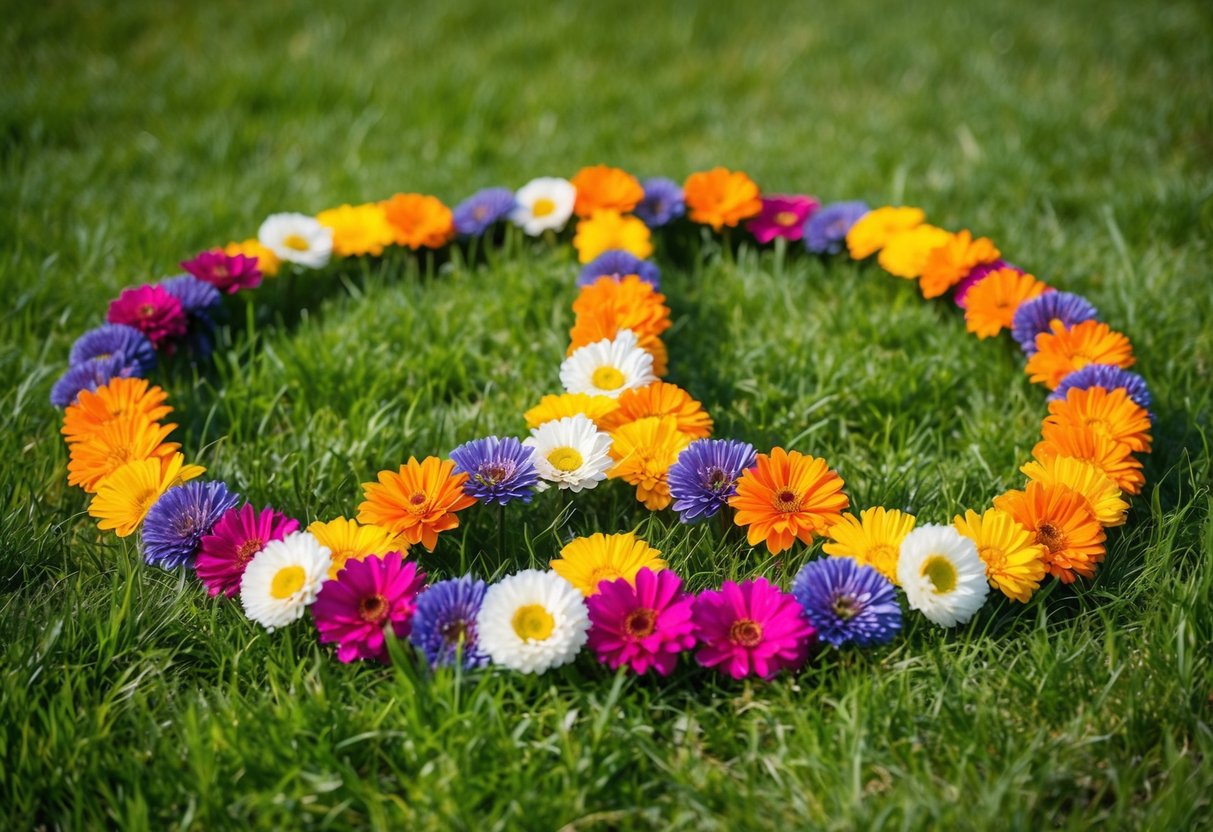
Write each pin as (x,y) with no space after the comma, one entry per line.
(643,452)
(418,502)
(419,221)
(660,399)
(115,444)
(991,303)
(604,188)
(905,253)
(788,496)
(610,230)
(1062,351)
(948,264)
(636,304)
(1114,459)
(870,233)
(551,408)
(118,398)
(720,197)
(267,261)
(1078,475)
(1060,520)
(1111,414)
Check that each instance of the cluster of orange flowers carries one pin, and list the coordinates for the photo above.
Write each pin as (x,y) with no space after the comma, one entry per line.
(413,220)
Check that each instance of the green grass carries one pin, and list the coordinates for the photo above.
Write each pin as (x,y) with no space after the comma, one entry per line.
(1078,136)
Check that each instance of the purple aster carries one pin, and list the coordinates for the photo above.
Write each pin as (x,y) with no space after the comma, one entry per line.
(1034,316)
(825,232)
(89,375)
(200,300)
(975,276)
(444,622)
(115,340)
(475,214)
(175,525)
(618,263)
(705,475)
(499,470)
(663,202)
(848,602)
(1109,377)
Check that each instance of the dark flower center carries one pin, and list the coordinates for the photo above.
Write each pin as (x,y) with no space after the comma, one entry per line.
(786,500)
(372,608)
(418,498)
(1050,536)
(640,622)
(494,473)
(745,632)
(480,212)
(845,607)
(455,631)
(716,478)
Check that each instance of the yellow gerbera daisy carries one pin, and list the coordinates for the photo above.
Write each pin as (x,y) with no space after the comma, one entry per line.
(607,230)
(124,498)
(1099,490)
(551,408)
(350,540)
(874,538)
(358,229)
(643,452)
(1015,562)
(873,230)
(587,561)
(905,254)
(115,444)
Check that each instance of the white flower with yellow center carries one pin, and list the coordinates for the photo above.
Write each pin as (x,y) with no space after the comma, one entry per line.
(297,238)
(282,580)
(943,576)
(532,621)
(571,452)
(608,367)
(543,204)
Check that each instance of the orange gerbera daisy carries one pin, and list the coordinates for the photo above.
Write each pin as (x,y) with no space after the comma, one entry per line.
(643,452)
(124,498)
(118,398)
(115,444)
(551,408)
(1110,413)
(660,399)
(267,261)
(358,229)
(1100,492)
(1060,520)
(787,496)
(870,233)
(949,263)
(604,188)
(872,539)
(418,502)
(720,197)
(419,221)
(1114,459)
(991,303)
(350,540)
(636,305)
(608,230)
(905,253)
(1015,562)
(1062,351)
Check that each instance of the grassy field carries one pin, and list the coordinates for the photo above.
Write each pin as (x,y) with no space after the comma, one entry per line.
(1078,136)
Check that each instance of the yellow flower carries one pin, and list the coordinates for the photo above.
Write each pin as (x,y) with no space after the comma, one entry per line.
(905,254)
(1015,562)
(873,230)
(358,229)
(587,561)
(124,498)
(873,539)
(351,540)
(267,262)
(643,452)
(551,408)
(606,230)
(1100,491)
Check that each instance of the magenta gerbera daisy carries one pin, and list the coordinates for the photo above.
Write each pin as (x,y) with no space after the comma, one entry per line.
(369,596)
(152,311)
(642,626)
(229,273)
(239,534)
(753,627)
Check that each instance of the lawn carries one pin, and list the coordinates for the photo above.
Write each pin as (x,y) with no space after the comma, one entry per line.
(1078,136)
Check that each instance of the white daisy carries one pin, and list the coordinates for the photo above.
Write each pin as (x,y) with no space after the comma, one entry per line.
(283,578)
(532,621)
(571,452)
(608,367)
(943,576)
(542,204)
(297,238)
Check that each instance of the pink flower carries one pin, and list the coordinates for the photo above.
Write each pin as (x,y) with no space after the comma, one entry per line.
(239,534)
(152,311)
(753,627)
(782,216)
(355,609)
(642,626)
(226,272)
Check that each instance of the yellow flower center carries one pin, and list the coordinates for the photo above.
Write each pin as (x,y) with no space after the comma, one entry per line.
(607,378)
(745,632)
(533,622)
(144,501)
(542,207)
(603,573)
(565,459)
(785,218)
(881,553)
(993,557)
(417,502)
(941,573)
(785,500)
(295,243)
(287,581)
